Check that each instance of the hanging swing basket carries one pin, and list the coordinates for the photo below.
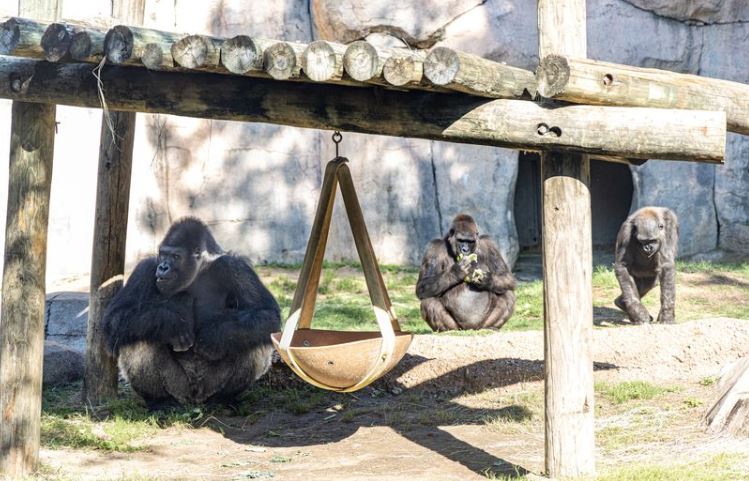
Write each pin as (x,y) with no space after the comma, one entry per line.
(340,360)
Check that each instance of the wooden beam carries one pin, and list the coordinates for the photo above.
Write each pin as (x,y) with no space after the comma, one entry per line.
(110,231)
(472,74)
(518,124)
(567,270)
(405,69)
(22,37)
(602,83)
(323,61)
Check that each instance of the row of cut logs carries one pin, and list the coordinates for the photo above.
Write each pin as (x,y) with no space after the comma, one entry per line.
(360,62)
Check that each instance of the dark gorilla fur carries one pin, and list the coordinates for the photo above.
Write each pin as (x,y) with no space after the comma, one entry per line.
(645,255)
(465,294)
(192,324)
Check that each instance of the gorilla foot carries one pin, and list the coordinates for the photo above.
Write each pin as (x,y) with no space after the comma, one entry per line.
(620,304)
(162,404)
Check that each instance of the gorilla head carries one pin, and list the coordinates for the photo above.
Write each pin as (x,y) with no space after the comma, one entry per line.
(648,230)
(463,235)
(184,251)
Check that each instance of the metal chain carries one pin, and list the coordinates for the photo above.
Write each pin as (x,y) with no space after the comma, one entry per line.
(337,137)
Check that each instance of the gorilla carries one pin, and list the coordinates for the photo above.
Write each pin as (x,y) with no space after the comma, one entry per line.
(645,255)
(463,282)
(193,324)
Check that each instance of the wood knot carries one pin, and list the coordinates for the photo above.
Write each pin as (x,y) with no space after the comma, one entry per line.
(543,129)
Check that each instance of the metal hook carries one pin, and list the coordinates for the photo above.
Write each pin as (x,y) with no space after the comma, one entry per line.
(337,137)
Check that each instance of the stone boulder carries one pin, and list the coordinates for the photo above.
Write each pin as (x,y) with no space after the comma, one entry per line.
(62,364)
(705,11)
(66,319)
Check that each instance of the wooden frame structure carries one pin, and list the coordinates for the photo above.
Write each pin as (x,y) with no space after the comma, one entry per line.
(441,95)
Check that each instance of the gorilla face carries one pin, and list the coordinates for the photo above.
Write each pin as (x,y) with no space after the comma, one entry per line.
(176,270)
(463,236)
(648,230)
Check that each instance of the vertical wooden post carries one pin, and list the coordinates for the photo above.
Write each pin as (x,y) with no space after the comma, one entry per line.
(110,230)
(23,293)
(567,264)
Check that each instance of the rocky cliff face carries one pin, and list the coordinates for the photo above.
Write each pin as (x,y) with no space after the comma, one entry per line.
(257,185)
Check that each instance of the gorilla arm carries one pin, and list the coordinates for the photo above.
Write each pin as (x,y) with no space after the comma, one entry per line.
(496,276)
(439,272)
(630,297)
(668,267)
(139,313)
(249,319)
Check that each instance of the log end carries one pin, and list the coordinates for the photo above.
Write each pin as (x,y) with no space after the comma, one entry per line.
(153,56)
(55,42)
(361,61)
(10,35)
(400,70)
(240,55)
(553,73)
(320,62)
(441,65)
(190,51)
(118,44)
(279,61)
(80,46)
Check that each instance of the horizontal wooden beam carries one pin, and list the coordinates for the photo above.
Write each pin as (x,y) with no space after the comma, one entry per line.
(609,131)
(475,75)
(601,83)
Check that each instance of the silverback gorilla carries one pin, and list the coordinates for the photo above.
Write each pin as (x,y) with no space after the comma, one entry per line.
(645,255)
(192,324)
(464,283)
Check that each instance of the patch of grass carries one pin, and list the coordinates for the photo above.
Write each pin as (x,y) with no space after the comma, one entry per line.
(78,431)
(628,391)
(692,402)
(529,307)
(709,381)
(717,468)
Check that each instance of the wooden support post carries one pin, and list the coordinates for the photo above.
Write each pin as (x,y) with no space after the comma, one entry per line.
(567,267)
(110,233)
(635,133)
(593,82)
(478,76)
(32,140)
(23,292)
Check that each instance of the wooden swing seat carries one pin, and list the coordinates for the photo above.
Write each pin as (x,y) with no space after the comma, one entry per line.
(340,360)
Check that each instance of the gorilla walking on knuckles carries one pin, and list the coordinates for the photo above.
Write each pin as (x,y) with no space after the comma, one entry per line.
(192,324)
(464,282)
(645,255)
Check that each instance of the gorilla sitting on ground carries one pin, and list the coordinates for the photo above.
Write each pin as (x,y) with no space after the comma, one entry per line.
(192,324)
(645,255)
(464,282)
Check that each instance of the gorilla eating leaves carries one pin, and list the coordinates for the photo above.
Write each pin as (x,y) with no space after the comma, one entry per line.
(645,255)
(464,282)
(192,324)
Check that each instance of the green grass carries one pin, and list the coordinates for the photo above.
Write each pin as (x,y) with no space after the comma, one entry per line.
(629,391)
(343,302)
(717,468)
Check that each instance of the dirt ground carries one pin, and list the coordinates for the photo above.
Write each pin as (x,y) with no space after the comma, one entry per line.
(442,415)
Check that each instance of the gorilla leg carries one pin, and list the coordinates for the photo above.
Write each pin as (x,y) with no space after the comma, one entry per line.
(504,306)
(245,369)
(153,373)
(435,314)
(633,307)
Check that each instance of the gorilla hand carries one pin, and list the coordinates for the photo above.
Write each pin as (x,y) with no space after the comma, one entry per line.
(477,277)
(638,314)
(182,332)
(666,316)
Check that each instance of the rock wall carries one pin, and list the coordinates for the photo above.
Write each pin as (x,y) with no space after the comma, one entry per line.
(257,185)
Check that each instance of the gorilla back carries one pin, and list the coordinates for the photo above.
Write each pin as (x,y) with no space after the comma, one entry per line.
(192,324)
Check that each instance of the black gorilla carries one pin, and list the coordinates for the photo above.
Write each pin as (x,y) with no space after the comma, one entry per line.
(192,324)
(464,283)
(645,255)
